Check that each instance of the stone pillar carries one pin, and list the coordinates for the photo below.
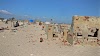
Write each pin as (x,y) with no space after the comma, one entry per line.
(98,37)
(70,37)
(85,34)
(46,28)
(65,33)
(50,32)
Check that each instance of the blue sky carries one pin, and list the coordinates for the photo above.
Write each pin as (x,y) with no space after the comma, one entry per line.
(59,10)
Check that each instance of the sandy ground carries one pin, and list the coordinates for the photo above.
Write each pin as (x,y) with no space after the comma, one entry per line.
(26,42)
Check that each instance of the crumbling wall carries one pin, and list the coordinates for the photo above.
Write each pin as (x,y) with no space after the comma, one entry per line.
(86,25)
(65,33)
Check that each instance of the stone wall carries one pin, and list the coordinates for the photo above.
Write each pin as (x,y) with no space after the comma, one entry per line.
(86,25)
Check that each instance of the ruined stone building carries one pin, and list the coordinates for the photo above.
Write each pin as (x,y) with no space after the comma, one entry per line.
(53,30)
(83,30)
(86,26)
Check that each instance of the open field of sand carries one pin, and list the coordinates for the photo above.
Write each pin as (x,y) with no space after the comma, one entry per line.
(25,41)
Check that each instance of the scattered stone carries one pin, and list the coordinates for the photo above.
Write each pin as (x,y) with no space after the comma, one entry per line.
(41,39)
(31,37)
(33,44)
(56,43)
(29,41)
(31,54)
(18,45)
(48,44)
(33,41)
(3,36)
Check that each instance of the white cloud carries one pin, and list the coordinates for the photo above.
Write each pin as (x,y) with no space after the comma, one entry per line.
(5,12)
